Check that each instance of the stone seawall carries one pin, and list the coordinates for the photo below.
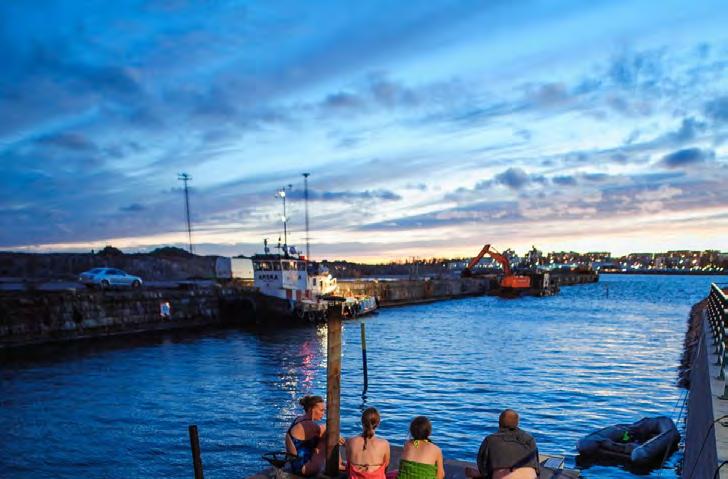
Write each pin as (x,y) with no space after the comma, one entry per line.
(395,293)
(571,278)
(40,317)
(29,266)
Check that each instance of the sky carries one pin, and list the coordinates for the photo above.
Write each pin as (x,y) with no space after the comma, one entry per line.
(428,128)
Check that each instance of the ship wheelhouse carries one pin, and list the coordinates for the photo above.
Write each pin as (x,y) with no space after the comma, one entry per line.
(291,278)
(280,276)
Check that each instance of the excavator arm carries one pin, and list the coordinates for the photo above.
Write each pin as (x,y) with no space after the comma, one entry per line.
(509,279)
(477,259)
(502,260)
(493,254)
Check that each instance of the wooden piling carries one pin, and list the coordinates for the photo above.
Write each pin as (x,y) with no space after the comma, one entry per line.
(364,355)
(333,389)
(196,458)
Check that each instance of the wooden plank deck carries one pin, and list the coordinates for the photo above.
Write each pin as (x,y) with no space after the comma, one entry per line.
(453,469)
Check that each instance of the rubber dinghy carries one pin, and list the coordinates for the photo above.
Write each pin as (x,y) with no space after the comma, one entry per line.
(646,442)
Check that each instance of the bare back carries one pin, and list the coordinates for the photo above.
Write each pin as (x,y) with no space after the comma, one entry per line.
(372,458)
(305,429)
(424,452)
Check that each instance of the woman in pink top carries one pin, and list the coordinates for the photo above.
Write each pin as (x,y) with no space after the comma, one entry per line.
(367,456)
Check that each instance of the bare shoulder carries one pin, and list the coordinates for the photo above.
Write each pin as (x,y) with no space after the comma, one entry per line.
(433,447)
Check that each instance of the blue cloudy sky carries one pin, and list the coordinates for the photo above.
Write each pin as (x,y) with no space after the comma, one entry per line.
(428,128)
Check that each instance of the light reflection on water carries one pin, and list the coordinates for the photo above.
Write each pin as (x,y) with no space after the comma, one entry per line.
(570,364)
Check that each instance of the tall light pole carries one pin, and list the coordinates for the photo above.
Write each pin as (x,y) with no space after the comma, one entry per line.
(305,202)
(184,177)
(282,195)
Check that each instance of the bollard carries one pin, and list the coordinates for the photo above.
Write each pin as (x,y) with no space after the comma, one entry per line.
(196,459)
(364,355)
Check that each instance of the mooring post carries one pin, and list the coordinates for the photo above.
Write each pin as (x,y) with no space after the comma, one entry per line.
(364,355)
(333,389)
(195,445)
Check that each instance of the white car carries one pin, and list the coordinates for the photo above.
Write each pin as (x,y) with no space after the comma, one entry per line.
(107,277)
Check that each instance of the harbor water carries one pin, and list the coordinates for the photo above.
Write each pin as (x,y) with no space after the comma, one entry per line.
(592,356)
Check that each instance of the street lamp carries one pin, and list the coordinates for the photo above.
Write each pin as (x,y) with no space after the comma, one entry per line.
(282,195)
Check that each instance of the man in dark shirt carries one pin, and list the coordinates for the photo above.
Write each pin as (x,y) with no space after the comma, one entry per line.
(510,453)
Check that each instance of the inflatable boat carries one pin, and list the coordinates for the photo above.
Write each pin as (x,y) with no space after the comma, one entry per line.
(646,442)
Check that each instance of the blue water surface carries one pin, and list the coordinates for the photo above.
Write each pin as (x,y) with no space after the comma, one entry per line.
(591,356)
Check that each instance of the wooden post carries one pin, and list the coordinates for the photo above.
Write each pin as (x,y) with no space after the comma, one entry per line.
(333,389)
(196,459)
(364,355)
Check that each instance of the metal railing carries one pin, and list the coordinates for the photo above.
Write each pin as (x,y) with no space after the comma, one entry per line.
(717,315)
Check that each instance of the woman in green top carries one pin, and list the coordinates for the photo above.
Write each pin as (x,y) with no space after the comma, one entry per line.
(421,459)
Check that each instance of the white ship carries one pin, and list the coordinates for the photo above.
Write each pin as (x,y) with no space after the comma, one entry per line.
(300,288)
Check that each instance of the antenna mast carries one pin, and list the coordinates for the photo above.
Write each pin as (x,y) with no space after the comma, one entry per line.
(184,177)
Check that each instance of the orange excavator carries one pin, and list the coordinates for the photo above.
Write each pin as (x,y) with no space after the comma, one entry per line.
(510,280)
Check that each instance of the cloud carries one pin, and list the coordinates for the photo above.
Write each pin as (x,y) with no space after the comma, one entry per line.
(632,69)
(595,177)
(717,109)
(483,211)
(686,157)
(342,102)
(564,180)
(513,178)
(391,94)
(132,208)
(69,141)
(664,192)
(524,133)
(689,129)
(347,196)
(550,94)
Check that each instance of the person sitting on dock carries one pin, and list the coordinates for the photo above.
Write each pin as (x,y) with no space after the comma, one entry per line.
(421,459)
(305,438)
(367,456)
(510,453)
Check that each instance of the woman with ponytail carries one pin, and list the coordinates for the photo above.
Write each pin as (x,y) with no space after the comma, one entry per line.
(304,438)
(367,456)
(421,459)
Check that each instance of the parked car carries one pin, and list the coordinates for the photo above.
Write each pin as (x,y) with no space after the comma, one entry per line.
(107,277)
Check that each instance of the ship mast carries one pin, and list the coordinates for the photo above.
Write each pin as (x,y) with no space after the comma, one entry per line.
(305,200)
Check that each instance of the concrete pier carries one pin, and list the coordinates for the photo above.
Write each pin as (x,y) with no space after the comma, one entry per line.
(402,292)
(706,441)
(35,316)
(454,469)
(39,316)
